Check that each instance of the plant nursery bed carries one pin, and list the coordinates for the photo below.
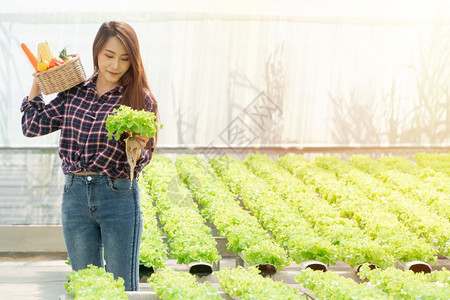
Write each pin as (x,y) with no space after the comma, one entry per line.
(141,295)
(286,275)
(146,292)
(386,218)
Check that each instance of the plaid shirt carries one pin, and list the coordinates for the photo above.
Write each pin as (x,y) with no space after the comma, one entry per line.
(81,116)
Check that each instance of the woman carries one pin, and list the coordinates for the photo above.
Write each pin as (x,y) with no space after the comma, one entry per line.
(101,214)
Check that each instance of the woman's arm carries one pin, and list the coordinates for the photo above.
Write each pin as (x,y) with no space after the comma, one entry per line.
(38,118)
(35,90)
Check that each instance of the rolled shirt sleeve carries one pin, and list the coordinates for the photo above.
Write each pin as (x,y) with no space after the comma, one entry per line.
(41,119)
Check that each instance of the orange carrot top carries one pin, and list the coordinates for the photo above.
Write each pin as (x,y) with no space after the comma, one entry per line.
(33,60)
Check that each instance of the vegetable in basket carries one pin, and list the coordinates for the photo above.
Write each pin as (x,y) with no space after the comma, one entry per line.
(63,54)
(33,60)
(68,69)
(45,59)
(44,51)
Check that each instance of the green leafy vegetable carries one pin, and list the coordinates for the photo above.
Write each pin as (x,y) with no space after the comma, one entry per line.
(378,221)
(400,284)
(244,233)
(153,251)
(287,226)
(442,276)
(437,161)
(249,284)
(94,283)
(331,285)
(354,246)
(190,238)
(126,119)
(170,284)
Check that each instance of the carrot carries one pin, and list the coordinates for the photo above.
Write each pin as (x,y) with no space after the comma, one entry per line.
(33,60)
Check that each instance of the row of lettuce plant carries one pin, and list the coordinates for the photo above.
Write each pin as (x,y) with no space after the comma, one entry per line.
(433,180)
(423,184)
(331,285)
(244,234)
(189,237)
(94,283)
(438,161)
(400,284)
(153,251)
(411,212)
(287,226)
(249,284)
(406,186)
(170,284)
(372,217)
(353,245)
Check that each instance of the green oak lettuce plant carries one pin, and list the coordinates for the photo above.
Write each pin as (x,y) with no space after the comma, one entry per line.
(398,185)
(94,283)
(170,284)
(353,245)
(134,122)
(153,251)
(244,233)
(287,226)
(331,285)
(430,179)
(406,284)
(249,284)
(437,161)
(376,220)
(188,235)
(441,276)
(433,226)
(127,120)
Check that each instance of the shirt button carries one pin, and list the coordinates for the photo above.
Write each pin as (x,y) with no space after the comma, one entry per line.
(89,178)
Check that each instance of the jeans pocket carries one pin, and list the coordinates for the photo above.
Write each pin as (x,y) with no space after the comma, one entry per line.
(68,184)
(121,185)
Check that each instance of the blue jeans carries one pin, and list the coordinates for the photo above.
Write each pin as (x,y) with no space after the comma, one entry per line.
(102,218)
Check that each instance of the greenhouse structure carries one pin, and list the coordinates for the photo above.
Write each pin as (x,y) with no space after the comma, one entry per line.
(303,147)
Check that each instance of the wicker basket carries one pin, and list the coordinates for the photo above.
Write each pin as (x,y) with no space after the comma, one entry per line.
(62,77)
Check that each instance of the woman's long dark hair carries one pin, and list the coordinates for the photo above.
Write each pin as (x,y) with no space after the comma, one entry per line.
(134,81)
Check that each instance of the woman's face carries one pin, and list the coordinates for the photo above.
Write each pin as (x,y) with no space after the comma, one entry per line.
(113,62)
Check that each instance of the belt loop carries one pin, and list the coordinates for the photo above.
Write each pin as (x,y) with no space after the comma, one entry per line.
(110,181)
